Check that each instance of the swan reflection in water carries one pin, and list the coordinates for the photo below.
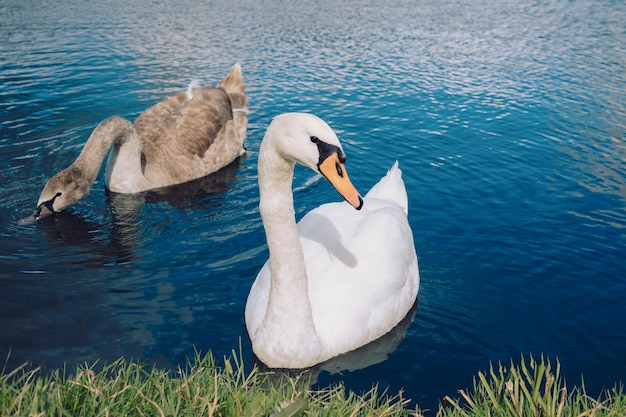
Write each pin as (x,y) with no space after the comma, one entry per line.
(371,354)
(69,228)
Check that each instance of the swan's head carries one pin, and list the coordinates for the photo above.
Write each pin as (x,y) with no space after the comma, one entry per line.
(308,140)
(61,191)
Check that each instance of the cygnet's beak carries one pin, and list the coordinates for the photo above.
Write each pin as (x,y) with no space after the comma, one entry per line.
(42,211)
(45,208)
(335,172)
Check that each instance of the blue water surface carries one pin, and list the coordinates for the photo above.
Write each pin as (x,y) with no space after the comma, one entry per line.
(508,120)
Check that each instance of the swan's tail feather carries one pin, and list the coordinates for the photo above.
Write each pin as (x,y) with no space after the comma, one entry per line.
(391,187)
(235,87)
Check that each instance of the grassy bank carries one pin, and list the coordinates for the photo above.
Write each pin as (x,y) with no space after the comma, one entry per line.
(532,388)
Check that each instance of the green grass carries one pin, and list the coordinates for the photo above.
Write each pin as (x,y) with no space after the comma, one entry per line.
(202,388)
(533,390)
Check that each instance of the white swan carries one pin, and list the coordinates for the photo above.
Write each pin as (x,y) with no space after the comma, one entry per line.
(186,136)
(340,278)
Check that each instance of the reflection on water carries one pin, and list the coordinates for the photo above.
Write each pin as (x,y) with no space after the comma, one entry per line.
(69,229)
(74,232)
(371,354)
(203,192)
(508,122)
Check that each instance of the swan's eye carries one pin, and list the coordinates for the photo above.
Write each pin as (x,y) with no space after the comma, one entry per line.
(315,139)
(339,170)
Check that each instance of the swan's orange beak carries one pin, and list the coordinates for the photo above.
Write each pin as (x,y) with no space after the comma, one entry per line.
(335,172)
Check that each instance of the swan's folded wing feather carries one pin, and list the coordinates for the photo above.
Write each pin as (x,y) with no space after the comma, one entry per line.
(178,125)
(362,269)
(391,187)
(202,118)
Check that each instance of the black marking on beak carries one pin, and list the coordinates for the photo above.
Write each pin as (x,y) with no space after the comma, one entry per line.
(325,150)
(49,205)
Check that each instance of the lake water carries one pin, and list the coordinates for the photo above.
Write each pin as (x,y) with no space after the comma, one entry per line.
(507,118)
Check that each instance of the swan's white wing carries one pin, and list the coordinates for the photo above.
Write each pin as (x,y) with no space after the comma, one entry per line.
(391,187)
(362,270)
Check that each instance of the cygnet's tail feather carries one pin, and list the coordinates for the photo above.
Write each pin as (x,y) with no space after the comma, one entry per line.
(235,87)
(391,187)
(233,82)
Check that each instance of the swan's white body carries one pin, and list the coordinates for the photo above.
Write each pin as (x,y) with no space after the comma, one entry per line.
(340,278)
(186,136)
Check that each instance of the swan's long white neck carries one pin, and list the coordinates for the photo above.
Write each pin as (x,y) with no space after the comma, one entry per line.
(289,309)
